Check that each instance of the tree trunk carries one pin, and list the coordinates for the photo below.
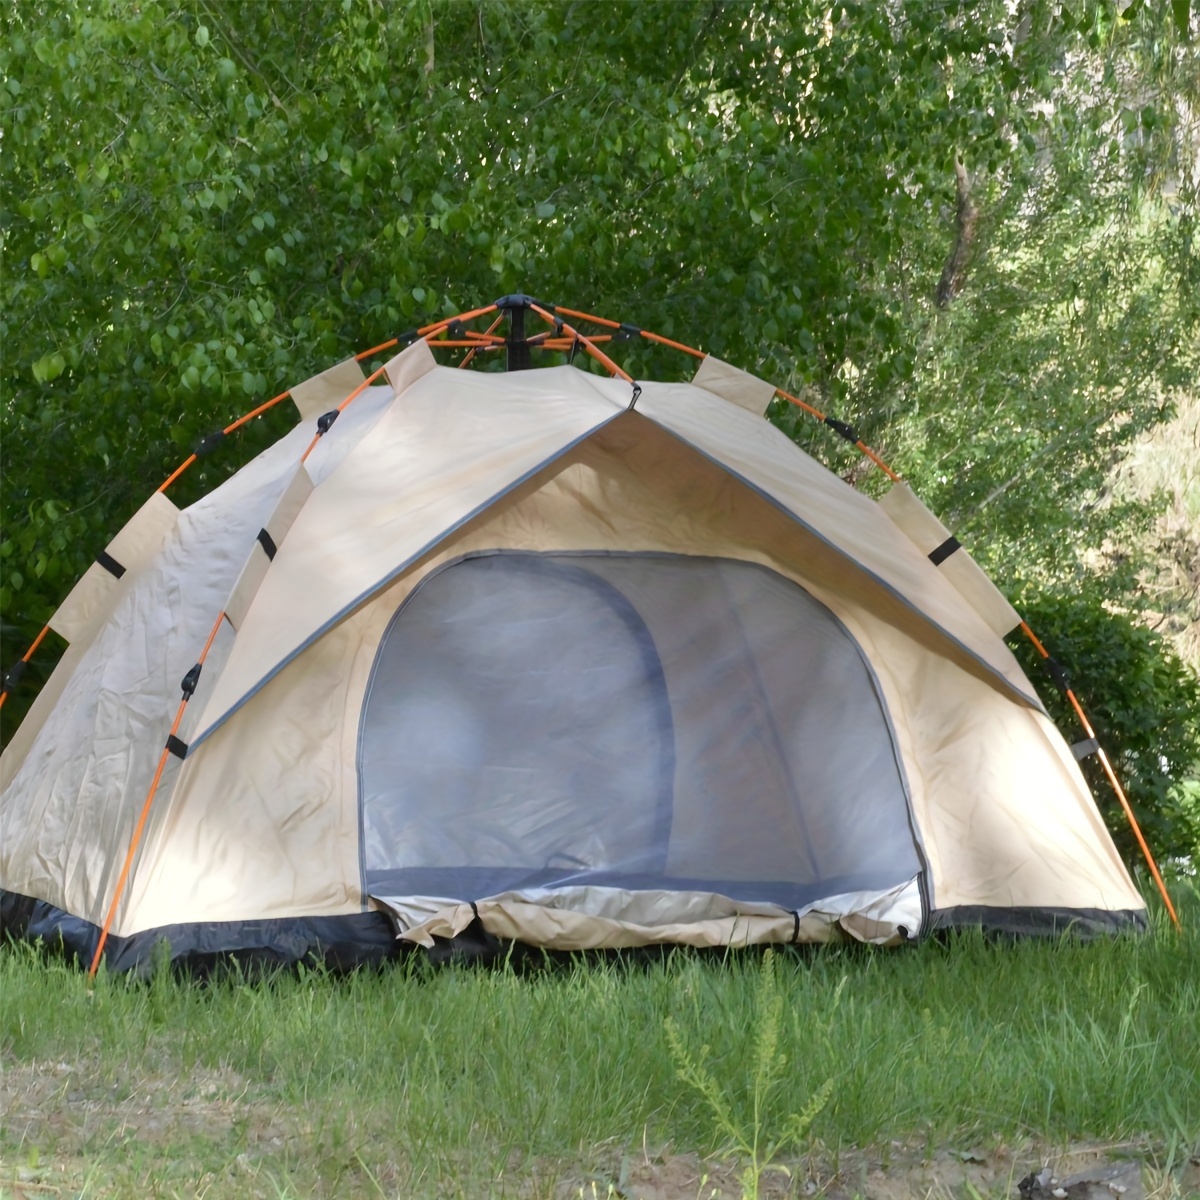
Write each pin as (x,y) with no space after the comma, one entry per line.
(954,273)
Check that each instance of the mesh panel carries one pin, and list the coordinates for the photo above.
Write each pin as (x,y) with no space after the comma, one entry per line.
(639,721)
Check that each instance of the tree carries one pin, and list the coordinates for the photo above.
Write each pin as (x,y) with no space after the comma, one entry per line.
(1145,707)
(205,202)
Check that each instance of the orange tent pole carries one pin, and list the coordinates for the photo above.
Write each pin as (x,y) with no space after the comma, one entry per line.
(467,316)
(582,316)
(175,474)
(375,349)
(466,362)
(139,828)
(598,355)
(1112,779)
(662,341)
(230,428)
(9,680)
(323,428)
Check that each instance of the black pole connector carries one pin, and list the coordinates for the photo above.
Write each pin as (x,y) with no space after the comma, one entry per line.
(207,444)
(627,332)
(410,335)
(177,746)
(1058,673)
(456,329)
(189,681)
(637,395)
(520,300)
(846,431)
(14,675)
(325,421)
(519,358)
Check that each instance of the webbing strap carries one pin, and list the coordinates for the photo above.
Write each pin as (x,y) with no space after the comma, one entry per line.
(110,564)
(939,554)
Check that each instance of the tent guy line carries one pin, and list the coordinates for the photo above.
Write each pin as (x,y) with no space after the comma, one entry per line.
(450,333)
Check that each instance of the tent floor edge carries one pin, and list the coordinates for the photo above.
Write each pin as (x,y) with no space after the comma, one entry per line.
(1085,923)
(335,943)
(345,943)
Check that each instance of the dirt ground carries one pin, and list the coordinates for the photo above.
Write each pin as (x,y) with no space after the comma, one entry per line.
(63,1132)
(1081,1171)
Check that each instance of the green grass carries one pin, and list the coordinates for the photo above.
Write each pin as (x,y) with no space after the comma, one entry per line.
(478,1082)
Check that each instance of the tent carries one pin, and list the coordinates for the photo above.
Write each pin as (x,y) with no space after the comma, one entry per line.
(540,655)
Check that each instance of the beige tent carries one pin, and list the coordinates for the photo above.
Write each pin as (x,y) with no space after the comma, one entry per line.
(503,653)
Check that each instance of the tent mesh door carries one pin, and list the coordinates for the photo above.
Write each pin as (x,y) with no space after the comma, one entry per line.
(642,721)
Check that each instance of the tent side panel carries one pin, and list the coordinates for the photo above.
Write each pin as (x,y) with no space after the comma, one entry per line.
(1005,816)
(264,821)
(70,806)
(444,451)
(89,604)
(17,750)
(845,519)
(985,773)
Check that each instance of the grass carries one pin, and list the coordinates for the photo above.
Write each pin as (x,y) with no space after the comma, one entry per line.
(457,1081)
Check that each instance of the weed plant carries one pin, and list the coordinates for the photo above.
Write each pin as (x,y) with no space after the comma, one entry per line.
(752,1142)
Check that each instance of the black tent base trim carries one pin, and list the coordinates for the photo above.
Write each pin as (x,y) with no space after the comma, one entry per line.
(1039,922)
(338,944)
(346,943)
(335,944)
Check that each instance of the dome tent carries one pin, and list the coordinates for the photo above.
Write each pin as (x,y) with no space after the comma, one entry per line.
(577,661)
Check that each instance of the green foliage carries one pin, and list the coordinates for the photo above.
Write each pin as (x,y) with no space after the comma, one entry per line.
(998,408)
(1145,707)
(749,1139)
(204,202)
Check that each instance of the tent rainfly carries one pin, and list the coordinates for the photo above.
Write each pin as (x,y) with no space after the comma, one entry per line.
(541,655)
